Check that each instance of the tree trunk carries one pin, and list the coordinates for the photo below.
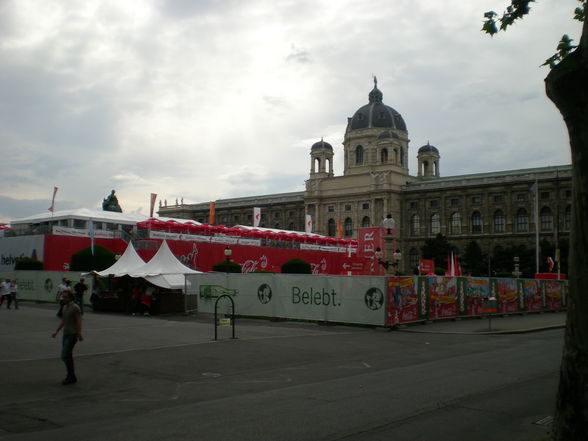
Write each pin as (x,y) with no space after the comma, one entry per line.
(567,87)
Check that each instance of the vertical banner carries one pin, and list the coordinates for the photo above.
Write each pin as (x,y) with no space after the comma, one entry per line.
(507,295)
(443,297)
(308,224)
(476,290)
(339,229)
(427,267)
(91,233)
(368,240)
(152,204)
(52,207)
(211,213)
(530,295)
(256,216)
(403,301)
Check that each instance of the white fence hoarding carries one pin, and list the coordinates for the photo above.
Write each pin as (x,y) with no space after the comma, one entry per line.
(308,297)
(40,286)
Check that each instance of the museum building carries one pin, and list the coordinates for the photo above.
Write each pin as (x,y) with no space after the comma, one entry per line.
(493,208)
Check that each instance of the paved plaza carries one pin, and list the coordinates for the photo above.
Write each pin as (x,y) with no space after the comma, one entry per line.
(159,378)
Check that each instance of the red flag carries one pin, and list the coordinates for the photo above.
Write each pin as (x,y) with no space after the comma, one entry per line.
(211,213)
(53,200)
(550,264)
(152,204)
(339,229)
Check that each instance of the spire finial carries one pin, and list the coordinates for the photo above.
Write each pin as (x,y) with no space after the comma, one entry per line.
(375,82)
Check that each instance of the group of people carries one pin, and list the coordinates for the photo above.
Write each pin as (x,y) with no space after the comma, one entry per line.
(79,291)
(9,293)
(142,299)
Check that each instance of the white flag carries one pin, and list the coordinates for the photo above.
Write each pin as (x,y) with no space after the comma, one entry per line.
(256,216)
(308,224)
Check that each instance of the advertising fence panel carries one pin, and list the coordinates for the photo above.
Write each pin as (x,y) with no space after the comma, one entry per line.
(326,298)
(475,290)
(404,301)
(443,297)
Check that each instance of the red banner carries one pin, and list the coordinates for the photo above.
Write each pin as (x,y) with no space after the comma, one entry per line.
(427,267)
(368,240)
(508,296)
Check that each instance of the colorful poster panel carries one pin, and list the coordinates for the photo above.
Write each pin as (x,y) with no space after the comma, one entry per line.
(553,294)
(476,290)
(508,296)
(403,301)
(531,295)
(442,297)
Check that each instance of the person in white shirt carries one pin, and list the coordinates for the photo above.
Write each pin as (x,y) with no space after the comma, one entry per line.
(5,293)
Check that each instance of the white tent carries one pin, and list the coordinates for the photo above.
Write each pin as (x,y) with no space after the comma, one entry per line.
(128,262)
(164,269)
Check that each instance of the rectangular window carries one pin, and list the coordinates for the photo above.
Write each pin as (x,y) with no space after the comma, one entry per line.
(348,207)
(544,195)
(414,205)
(454,202)
(521,196)
(568,194)
(434,203)
(331,208)
(498,197)
(476,200)
(79,223)
(365,206)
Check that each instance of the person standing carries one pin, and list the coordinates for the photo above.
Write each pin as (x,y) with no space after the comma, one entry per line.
(14,292)
(80,289)
(5,293)
(136,299)
(71,323)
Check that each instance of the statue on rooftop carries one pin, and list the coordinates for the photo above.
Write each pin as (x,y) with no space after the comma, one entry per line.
(110,203)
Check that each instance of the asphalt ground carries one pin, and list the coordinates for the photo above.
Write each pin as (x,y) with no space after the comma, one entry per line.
(154,378)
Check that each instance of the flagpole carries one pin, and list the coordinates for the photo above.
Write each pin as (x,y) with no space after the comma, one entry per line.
(536,227)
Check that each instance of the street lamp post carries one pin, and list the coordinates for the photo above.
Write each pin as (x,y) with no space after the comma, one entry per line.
(516,273)
(228,254)
(389,266)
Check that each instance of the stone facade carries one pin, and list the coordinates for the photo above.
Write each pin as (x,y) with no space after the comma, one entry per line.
(495,208)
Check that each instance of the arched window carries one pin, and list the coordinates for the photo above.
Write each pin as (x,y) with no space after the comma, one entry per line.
(365,222)
(316,165)
(522,220)
(359,155)
(455,223)
(413,258)
(331,227)
(476,222)
(499,222)
(384,156)
(348,228)
(546,219)
(435,224)
(415,225)
(568,218)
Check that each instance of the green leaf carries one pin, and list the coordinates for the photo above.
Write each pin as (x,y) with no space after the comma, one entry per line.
(490,27)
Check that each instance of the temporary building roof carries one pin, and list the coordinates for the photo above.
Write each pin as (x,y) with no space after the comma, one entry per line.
(128,262)
(164,262)
(84,214)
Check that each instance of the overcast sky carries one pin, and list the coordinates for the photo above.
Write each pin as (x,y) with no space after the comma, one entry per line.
(207,99)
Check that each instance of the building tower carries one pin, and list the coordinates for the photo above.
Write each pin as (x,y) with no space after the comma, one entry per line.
(321,160)
(428,161)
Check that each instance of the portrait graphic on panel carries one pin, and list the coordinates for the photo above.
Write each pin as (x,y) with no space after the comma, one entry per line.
(508,295)
(374,298)
(264,293)
(403,301)
(442,297)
